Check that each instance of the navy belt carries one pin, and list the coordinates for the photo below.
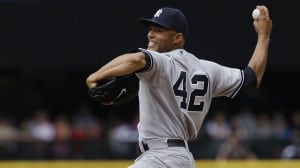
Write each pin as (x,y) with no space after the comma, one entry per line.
(170,142)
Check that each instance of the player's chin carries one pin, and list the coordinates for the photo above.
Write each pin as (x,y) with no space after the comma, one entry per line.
(152,48)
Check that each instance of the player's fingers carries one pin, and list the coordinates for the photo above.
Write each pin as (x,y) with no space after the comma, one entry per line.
(264,12)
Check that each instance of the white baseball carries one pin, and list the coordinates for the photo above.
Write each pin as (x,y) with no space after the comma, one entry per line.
(255,14)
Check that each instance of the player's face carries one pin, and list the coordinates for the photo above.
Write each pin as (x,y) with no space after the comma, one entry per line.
(160,39)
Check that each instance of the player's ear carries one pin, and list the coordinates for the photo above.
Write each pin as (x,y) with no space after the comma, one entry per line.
(178,38)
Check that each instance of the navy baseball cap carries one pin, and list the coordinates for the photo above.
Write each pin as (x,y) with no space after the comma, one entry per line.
(170,18)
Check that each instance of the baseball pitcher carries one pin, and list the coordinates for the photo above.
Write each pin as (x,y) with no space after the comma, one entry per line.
(175,88)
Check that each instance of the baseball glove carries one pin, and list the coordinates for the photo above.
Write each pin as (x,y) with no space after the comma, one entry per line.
(115,90)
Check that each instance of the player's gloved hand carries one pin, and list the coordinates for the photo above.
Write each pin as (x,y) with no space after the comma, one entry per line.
(115,90)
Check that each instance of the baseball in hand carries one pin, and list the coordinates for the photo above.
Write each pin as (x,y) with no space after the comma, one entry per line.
(255,14)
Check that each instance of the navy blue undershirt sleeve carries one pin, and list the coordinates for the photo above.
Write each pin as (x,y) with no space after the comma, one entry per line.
(250,79)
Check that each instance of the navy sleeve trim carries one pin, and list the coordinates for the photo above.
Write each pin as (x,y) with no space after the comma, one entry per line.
(250,79)
(149,60)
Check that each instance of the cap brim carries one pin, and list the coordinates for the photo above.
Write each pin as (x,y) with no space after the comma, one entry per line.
(147,22)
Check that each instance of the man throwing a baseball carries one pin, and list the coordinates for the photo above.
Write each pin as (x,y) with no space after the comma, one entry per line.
(176,88)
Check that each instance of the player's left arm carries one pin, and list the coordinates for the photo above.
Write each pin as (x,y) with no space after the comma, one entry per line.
(258,61)
(122,65)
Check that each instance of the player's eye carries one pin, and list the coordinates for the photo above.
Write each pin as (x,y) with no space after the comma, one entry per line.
(156,28)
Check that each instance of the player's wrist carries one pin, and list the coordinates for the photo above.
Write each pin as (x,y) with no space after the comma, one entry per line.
(264,39)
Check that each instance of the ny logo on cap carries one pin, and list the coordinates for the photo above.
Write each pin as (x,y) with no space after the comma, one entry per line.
(158,13)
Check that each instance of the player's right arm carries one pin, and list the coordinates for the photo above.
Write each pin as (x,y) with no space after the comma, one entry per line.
(263,28)
(122,65)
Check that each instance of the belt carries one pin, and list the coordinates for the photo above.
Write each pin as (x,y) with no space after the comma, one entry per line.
(170,142)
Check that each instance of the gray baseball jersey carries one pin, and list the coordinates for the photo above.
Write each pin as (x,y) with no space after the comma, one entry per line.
(176,90)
